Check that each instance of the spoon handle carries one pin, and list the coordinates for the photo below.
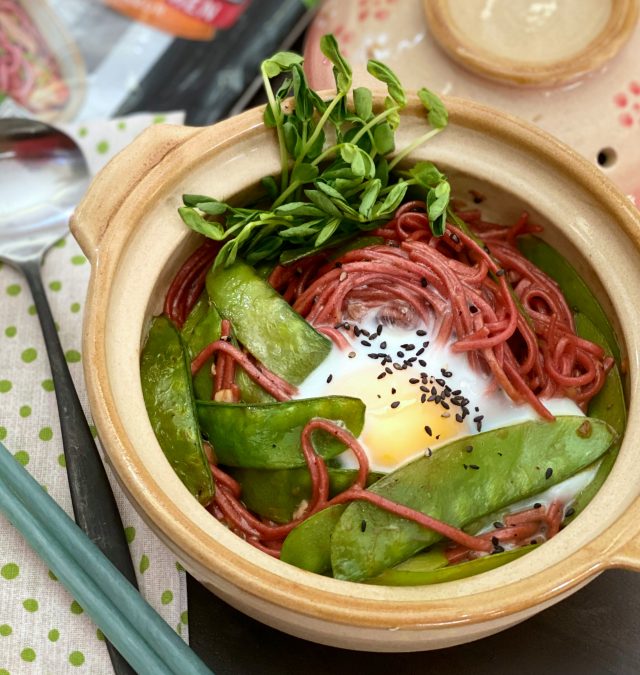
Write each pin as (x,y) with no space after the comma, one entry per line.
(94,505)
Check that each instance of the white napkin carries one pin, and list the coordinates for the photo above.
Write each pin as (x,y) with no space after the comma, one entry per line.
(42,628)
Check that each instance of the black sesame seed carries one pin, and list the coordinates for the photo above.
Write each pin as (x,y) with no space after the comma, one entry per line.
(498,525)
(338,326)
(397,366)
(393,390)
(473,309)
(537,505)
(456,392)
(475,467)
(498,549)
(459,417)
(569,512)
(428,430)
(363,526)
(400,355)
(500,273)
(373,356)
(533,541)
(421,333)
(364,332)
(438,437)
(469,448)
(329,379)
(423,388)
(500,454)
(422,363)
(423,398)
(465,466)
(548,473)
(383,345)
(381,376)
(445,405)
(414,380)
(379,329)
(440,381)
(366,343)
(395,404)
(428,452)
(388,370)
(423,282)
(495,541)
(420,351)
(356,331)
(445,373)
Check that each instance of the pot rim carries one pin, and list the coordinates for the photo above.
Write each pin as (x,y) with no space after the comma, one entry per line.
(231,566)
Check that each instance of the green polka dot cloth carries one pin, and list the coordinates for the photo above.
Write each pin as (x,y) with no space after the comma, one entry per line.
(42,628)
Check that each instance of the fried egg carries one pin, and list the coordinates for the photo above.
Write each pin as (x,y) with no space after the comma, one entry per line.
(419,395)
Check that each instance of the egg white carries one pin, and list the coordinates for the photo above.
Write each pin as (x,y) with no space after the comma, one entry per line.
(398,426)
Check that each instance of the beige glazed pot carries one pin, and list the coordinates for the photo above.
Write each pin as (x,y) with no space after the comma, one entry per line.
(129,228)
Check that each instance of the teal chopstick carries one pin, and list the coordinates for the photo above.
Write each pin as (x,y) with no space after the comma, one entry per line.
(127,620)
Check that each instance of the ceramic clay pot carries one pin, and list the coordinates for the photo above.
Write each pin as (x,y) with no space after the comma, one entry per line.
(129,229)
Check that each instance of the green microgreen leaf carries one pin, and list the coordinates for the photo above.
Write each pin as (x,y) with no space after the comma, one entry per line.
(383,139)
(304,102)
(280,62)
(392,200)
(437,202)
(270,186)
(369,197)
(341,69)
(194,200)
(426,174)
(304,173)
(292,139)
(327,231)
(323,202)
(299,209)
(383,73)
(198,223)
(436,112)
(212,208)
(363,103)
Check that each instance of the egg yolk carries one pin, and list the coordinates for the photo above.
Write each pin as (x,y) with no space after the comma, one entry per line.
(398,426)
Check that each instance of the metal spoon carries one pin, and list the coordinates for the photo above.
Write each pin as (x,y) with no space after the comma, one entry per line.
(43,174)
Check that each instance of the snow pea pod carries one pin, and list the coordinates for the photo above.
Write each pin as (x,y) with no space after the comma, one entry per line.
(267,436)
(168,397)
(608,405)
(276,494)
(308,546)
(202,326)
(425,570)
(458,486)
(265,324)
(577,294)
